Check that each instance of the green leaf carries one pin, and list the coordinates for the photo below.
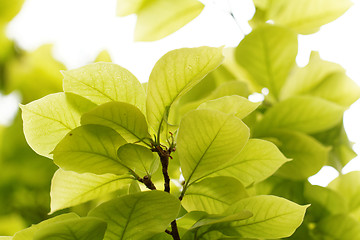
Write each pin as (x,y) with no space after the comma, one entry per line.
(213,195)
(105,82)
(216,219)
(74,229)
(338,227)
(159,18)
(273,217)
(324,201)
(257,161)
(92,149)
(31,70)
(137,158)
(69,188)
(28,233)
(268,54)
(306,16)
(9,9)
(348,186)
(103,56)
(308,155)
(49,119)
(305,114)
(6,238)
(138,216)
(323,79)
(237,105)
(124,118)
(205,137)
(175,74)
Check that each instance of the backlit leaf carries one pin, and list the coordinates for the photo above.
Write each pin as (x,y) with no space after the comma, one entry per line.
(268,54)
(138,216)
(237,105)
(273,217)
(213,195)
(92,149)
(175,74)
(306,16)
(70,188)
(305,114)
(74,229)
(257,161)
(105,82)
(208,139)
(125,118)
(49,119)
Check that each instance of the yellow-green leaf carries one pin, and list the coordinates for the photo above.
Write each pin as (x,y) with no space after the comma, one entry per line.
(49,119)
(213,195)
(175,74)
(207,139)
(303,113)
(105,82)
(237,105)
(90,149)
(70,188)
(124,118)
(306,16)
(268,54)
(257,161)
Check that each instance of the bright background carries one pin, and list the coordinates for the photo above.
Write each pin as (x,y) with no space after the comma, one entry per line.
(80,29)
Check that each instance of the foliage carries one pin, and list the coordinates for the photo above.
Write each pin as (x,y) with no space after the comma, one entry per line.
(229,168)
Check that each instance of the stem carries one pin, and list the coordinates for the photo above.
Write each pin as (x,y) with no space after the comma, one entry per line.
(174,231)
(148,183)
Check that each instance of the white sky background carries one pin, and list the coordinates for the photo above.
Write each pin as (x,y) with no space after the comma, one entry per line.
(80,29)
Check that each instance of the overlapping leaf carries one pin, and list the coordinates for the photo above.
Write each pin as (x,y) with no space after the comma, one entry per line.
(138,216)
(268,54)
(105,82)
(125,118)
(208,139)
(305,114)
(273,217)
(213,195)
(73,229)
(49,119)
(92,149)
(175,74)
(70,188)
(258,160)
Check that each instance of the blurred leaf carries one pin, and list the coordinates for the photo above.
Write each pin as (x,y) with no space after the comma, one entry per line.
(257,161)
(322,79)
(213,195)
(73,229)
(138,216)
(175,74)
(9,9)
(159,18)
(268,54)
(306,16)
(348,186)
(32,70)
(49,119)
(105,82)
(103,56)
(29,233)
(338,227)
(324,202)
(305,114)
(124,118)
(237,105)
(90,149)
(10,224)
(204,137)
(308,155)
(70,188)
